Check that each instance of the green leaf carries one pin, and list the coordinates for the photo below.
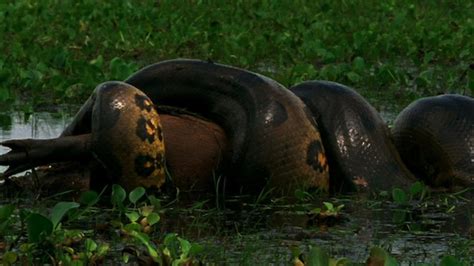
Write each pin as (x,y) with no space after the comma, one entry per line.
(148,244)
(119,69)
(37,227)
(416,188)
(399,196)
(6,211)
(4,94)
(300,194)
(103,249)
(450,261)
(90,245)
(60,209)
(136,194)
(172,244)
(317,257)
(195,249)
(358,64)
(153,218)
(118,195)
(131,227)
(133,216)
(378,256)
(89,198)
(155,202)
(399,216)
(185,247)
(391,261)
(9,258)
(329,206)
(339,262)
(98,61)
(354,77)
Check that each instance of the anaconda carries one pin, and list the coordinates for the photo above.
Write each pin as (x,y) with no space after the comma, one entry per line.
(273,141)
(122,133)
(435,137)
(358,144)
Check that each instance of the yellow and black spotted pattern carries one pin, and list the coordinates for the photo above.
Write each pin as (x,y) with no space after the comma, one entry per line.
(131,147)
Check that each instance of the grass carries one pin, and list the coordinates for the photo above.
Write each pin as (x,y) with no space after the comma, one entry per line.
(58,51)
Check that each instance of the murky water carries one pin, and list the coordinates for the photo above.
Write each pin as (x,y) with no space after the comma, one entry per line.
(420,232)
(40,125)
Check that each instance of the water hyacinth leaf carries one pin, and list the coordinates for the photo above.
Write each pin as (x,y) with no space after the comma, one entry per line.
(37,227)
(352,76)
(391,261)
(136,194)
(89,198)
(416,188)
(102,249)
(399,196)
(119,69)
(6,211)
(329,206)
(146,210)
(172,244)
(378,256)
(195,249)
(317,256)
(9,258)
(299,194)
(118,195)
(358,64)
(450,261)
(399,216)
(60,209)
(153,218)
(185,247)
(98,61)
(340,262)
(90,245)
(133,216)
(152,251)
(155,202)
(132,227)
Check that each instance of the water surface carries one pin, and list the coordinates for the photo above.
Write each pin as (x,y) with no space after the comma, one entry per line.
(419,232)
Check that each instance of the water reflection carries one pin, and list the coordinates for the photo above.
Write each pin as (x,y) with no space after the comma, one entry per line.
(40,125)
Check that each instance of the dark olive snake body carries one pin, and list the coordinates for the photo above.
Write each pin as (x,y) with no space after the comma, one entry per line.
(357,141)
(277,138)
(435,137)
(273,139)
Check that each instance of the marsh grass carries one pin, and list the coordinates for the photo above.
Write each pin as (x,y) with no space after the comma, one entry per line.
(58,51)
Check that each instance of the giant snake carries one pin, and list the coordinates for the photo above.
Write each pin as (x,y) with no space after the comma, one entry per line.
(268,136)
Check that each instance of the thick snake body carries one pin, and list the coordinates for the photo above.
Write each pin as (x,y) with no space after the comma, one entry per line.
(435,138)
(259,134)
(274,142)
(273,139)
(126,136)
(358,144)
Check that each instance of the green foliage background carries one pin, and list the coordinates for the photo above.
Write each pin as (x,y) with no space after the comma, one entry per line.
(57,51)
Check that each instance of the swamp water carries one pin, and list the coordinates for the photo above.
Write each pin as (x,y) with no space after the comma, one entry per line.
(423,230)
